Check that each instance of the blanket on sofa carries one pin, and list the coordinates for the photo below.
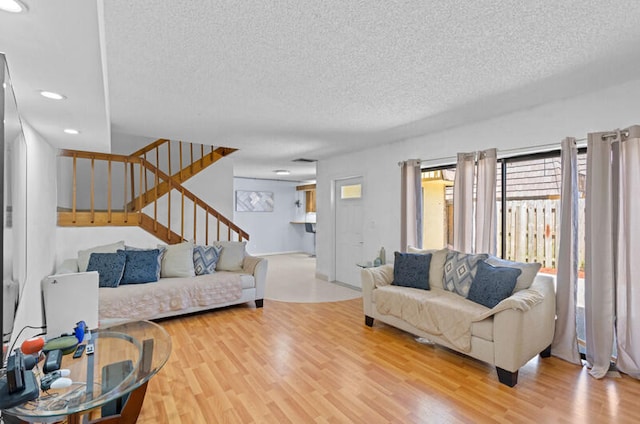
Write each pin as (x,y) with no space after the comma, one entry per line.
(138,301)
(443,313)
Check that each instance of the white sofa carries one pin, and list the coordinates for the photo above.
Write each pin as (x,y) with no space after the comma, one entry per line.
(172,296)
(507,336)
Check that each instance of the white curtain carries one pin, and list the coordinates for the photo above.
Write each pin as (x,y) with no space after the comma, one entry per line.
(599,255)
(486,217)
(628,264)
(612,286)
(565,340)
(411,204)
(463,202)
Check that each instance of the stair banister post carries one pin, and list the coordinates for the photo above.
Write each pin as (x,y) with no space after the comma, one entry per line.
(206,225)
(195,210)
(146,186)
(182,214)
(126,177)
(92,190)
(140,196)
(75,187)
(170,182)
(155,200)
(109,191)
(133,186)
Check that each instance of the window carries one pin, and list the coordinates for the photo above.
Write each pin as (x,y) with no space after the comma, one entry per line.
(351,191)
(437,208)
(528,221)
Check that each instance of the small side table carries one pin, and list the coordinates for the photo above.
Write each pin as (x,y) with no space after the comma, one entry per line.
(143,345)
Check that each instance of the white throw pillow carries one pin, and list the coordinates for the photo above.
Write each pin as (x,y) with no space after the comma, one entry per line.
(84,255)
(436,269)
(529,271)
(231,256)
(177,260)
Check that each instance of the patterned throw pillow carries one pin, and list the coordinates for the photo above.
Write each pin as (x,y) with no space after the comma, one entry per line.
(205,259)
(411,270)
(459,270)
(160,256)
(110,267)
(84,255)
(141,266)
(492,285)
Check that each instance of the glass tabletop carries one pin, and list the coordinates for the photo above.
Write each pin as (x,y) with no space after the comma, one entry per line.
(126,356)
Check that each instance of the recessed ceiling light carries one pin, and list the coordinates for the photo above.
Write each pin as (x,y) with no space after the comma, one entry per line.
(51,94)
(282,172)
(71,131)
(13,6)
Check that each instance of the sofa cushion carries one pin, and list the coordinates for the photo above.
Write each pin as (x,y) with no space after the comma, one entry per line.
(231,256)
(141,266)
(492,285)
(459,271)
(205,259)
(84,255)
(170,296)
(160,256)
(110,267)
(529,271)
(411,270)
(436,269)
(483,329)
(177,260)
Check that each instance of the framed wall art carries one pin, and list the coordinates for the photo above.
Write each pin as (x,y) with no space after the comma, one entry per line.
(254,201)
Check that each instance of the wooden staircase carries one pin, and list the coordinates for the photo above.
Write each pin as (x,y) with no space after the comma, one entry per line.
(186,171)
(148,197)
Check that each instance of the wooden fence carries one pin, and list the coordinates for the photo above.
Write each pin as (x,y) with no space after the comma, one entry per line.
(533,229)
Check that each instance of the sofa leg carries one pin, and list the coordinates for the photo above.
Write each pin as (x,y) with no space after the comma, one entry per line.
(368,321)
(259,303)
(507,377)
(546,353)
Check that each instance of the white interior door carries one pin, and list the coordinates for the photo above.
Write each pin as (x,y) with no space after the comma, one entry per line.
(349,226)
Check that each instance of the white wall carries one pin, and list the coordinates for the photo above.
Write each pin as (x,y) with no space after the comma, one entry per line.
(40,221)
(273,232)
(214,185)
(614,107)
(71,239)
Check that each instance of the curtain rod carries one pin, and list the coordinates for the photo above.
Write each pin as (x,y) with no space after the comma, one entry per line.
(508,153)
(623,133)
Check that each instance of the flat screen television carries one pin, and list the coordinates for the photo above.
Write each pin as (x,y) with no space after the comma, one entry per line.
(13,174)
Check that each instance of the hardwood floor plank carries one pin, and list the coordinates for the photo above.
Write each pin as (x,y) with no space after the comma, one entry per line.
(319,363)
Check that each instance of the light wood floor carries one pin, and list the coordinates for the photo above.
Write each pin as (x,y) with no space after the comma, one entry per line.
(305,362)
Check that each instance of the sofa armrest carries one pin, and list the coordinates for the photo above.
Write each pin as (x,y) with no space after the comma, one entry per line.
(68,266)
(258,268)
(521,335)
(371,278)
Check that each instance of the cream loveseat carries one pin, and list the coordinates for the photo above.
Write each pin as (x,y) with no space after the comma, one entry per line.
(506,335)
(229,276)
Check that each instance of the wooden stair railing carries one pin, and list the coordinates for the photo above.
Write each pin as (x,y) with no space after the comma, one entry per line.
(135,168)
(197,162)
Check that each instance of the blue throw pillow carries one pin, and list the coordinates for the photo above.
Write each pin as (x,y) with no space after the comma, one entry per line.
(460,270)
(205,259)
(141,266)
(411,270)
(160,256)
(110,267)
(492,285)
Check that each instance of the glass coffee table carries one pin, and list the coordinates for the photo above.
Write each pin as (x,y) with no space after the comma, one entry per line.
(110,384)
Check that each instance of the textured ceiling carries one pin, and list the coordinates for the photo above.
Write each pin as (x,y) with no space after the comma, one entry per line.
(289,79)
